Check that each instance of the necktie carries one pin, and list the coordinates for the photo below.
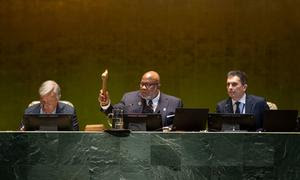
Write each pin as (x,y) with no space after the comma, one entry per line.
(148,108)
(237,105)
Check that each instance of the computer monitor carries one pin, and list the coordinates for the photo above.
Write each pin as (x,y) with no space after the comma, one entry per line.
(231,122)
(280,121)
(190,119)
(142,121)
(48,122)
(298,123)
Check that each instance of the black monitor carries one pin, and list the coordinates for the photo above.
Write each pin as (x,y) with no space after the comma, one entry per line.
(142,121)
(280,121)
(48,122)
(231,122)
(298,123)
(190,119)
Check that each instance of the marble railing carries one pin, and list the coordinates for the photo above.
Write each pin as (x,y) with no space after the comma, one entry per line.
(149,155)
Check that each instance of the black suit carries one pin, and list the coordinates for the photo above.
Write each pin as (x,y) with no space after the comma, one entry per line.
(254,105)
(132,102)
(61,108)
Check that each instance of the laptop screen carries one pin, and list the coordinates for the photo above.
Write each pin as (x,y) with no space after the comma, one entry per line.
(143,121)
(190,119)
(48,122)
(280,120)
(231,122)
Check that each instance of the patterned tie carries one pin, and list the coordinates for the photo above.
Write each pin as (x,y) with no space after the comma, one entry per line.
(148,108)
(237,105)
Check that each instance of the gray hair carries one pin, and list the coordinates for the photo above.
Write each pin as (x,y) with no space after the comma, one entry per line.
(48,87)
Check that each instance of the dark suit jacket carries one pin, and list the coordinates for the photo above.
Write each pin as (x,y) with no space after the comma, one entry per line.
(254,105)
(132,102)
(61,108)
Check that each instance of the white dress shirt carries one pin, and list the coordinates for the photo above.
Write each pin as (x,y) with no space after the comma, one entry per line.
(155,101)
(242,105)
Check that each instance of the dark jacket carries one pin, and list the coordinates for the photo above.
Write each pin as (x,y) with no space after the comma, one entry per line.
(61,108)
(254,105)
(132,102)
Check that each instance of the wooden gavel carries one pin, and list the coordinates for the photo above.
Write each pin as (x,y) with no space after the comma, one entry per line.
(104,77)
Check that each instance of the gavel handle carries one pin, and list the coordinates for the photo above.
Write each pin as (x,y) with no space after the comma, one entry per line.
(104,77)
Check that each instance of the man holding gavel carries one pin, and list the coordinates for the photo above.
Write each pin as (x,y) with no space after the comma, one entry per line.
(148,99)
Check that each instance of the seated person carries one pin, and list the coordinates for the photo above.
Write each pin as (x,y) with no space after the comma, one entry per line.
(49,103)
(241,102)
(148,99)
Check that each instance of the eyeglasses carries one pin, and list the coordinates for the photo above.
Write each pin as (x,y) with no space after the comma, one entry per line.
(148,85)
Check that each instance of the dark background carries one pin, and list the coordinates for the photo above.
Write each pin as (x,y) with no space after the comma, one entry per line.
(191,43)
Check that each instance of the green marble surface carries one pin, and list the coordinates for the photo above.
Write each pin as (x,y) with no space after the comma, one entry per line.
(143,155)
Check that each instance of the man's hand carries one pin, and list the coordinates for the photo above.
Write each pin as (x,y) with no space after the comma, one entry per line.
(103,98)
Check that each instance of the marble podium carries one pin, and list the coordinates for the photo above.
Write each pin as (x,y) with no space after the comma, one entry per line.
(149,155)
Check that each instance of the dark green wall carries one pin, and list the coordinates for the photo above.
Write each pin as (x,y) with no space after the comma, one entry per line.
(191,43)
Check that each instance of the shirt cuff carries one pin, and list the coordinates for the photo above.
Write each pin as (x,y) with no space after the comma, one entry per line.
(105,107)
